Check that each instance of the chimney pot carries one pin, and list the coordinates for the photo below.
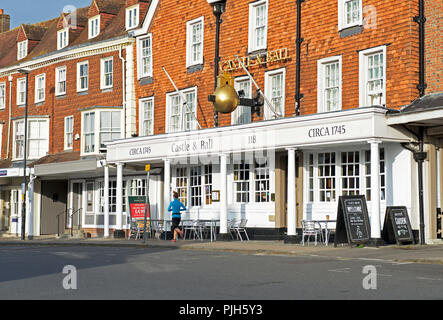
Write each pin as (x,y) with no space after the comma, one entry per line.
(2,11)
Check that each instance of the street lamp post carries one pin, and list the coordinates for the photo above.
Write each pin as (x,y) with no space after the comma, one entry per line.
(219,7)
(26,72)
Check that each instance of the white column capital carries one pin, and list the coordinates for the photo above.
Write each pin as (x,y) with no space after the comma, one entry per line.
(374,141)
(292,149)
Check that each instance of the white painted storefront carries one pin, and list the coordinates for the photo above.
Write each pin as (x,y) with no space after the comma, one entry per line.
(196,163)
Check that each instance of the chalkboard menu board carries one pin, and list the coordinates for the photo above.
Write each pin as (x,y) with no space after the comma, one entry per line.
(352,221)
(397,227)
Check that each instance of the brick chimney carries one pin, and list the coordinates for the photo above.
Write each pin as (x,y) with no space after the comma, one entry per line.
(5,21)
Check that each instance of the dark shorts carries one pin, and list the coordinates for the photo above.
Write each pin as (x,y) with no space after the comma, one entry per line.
(175,223)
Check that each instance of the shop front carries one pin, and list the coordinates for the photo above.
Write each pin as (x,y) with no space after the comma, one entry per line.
(276,173)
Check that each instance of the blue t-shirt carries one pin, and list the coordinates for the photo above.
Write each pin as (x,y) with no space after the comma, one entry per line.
(176,206)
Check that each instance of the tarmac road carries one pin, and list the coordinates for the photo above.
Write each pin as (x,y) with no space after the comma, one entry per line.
(35,272)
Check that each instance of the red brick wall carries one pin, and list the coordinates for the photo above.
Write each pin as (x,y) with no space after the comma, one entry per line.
(395,28)
(58,109)
(434,46)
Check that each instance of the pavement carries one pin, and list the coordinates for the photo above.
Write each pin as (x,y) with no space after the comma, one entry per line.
(427,254)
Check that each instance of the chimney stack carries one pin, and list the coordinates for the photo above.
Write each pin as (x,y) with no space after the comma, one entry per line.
(5,21)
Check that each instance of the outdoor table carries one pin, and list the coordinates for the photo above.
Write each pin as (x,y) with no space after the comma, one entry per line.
(326,228)
(168,223)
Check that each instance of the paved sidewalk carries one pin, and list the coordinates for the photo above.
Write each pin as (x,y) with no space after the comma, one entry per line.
(432,254)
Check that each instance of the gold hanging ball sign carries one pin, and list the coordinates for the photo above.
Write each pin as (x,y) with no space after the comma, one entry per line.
(225,97)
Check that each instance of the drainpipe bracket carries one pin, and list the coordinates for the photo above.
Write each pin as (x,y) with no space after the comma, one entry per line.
(420,19)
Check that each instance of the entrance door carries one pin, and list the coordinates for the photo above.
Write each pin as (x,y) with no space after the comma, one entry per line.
(77,204)
(53,206)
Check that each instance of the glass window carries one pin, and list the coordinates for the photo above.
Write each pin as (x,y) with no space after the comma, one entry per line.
(62,38)
(196,186)
(21,91)
(146,57)
(2,95)
(107,73)
(38,138)
(94,27)
(261,181)
(69,132)
(332,86)
(326,176)
(131,17)
(189,111)
(208,184)
(382,174)
(90,197)
(39,88)
(19,138)
(110,126)
(147,117)
(195,42)
(22,50)
(241,182)
(375,81)
(352,12)
(350,167)
(83,76)
(258,19)
(242,114)
(181,184)
(61,80)
(89,132)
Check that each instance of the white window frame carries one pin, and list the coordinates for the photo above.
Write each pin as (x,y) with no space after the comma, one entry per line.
(342,23)
(252,43)
(69,135)
(14,154)
(103,74)
(62,38)
(142,104)
(22,49)
(339,190)
(79,88)
(364,76)
(130,23)
(2,95)
(140,57)
(94,21)
(169,97)
(190,61)
(97,128)
(37,98)
(321,77)
(268,92)
(57,80)
(242,114)
(21,102)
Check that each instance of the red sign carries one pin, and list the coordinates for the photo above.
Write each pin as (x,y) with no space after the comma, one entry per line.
(137,206)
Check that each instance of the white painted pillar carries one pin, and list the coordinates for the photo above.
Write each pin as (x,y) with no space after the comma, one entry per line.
(30,211)
(292,209)
(224,193)
(375,190)
(106,204)
(166,189)
(119,200)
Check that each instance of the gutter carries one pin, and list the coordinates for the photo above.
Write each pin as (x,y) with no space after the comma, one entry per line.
(9,119)
(298,95)
(123,60)
(421,20)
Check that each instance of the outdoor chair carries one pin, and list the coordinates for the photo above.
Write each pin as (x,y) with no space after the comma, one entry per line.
(311,228)
(238,228)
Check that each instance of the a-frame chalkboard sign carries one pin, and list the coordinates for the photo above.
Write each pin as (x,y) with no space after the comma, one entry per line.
(397,227)
(352,221)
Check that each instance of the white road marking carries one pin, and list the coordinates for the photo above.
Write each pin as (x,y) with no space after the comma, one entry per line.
(432,279)
(344,270)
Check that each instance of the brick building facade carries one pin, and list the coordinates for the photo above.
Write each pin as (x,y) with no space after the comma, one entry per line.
(359,62)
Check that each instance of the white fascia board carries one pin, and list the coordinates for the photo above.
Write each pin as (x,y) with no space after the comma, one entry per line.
(148,19)
(419,116)
(86,51)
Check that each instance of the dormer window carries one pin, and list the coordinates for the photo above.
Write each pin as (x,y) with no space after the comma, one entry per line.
(132,17)
(62,38)
(94,27)
(22,49)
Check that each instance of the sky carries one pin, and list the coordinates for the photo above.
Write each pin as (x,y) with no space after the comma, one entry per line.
(32,11)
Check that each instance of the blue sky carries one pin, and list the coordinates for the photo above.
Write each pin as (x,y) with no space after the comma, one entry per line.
(32,11)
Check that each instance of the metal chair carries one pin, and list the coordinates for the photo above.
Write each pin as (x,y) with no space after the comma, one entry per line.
(239,227)
(311,228)
(157,227)
(194,229)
